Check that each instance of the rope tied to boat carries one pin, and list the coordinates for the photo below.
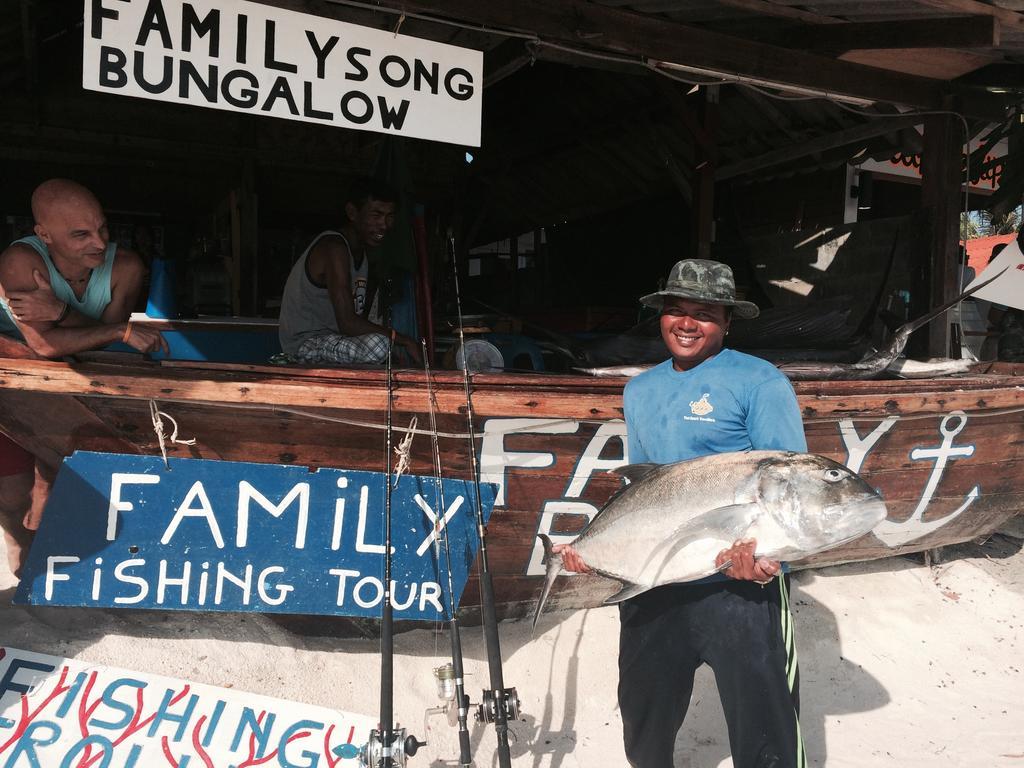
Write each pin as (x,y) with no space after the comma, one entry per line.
(158,427)
(402,451)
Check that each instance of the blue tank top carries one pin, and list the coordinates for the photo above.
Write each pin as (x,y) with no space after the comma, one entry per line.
(93,301)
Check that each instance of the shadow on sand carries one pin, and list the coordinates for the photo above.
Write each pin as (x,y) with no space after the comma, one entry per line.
(703,741)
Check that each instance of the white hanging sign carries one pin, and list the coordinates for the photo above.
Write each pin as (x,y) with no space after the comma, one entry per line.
(248,57)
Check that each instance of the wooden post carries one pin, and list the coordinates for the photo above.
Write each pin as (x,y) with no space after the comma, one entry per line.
(941,195)
(513,257)
(542,267)
(703,208)
(30,46)
(35,89)
(247,283)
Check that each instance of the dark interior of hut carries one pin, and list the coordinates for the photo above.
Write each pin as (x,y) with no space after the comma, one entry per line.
(579,199)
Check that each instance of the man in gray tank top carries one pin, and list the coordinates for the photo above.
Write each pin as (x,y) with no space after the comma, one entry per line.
(327,300)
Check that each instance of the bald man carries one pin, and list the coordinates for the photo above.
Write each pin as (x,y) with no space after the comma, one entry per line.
(64,290)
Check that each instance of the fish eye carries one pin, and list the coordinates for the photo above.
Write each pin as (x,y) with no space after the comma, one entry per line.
(833,475)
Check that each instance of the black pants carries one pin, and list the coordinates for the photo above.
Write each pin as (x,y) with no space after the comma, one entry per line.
(744,632)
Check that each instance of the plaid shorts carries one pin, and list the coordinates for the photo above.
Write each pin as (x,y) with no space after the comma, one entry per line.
(335,349)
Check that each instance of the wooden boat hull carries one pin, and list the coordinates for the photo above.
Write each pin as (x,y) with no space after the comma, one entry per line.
(947,454)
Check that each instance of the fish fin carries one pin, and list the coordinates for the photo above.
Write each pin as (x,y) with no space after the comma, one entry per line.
(628,590)
(554,566)
(634,472)
(734,518)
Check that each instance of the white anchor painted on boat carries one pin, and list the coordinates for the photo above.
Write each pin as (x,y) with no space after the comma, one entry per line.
(895,534)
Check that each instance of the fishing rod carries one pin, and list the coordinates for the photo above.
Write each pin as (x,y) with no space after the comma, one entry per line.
(499,704)
(388,747)
(461,699)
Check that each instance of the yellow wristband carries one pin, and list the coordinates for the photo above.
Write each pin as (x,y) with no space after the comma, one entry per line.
(127,333)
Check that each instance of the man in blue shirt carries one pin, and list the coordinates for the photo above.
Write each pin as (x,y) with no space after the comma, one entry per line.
(703,400)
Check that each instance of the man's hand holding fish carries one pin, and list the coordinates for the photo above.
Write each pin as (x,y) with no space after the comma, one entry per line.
(745,564)
(571,560)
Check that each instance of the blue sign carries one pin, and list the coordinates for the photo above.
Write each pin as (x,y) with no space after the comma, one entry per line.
(124,531)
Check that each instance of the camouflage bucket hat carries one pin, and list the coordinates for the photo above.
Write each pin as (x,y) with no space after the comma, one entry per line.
(710,282)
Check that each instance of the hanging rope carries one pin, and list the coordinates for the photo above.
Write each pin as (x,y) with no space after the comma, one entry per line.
(158,427)
(402,451)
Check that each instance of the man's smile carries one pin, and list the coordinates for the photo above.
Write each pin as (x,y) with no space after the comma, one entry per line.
(687,339)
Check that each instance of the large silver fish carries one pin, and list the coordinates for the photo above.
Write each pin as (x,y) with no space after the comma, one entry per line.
(672,520)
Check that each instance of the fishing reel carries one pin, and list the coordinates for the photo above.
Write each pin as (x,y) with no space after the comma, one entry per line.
(487,710)
(376,755)
(447,692)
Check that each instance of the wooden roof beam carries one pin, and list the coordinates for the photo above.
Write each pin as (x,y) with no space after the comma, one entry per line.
(870,130)
(580,59)
(682,112)
(585,24)
(506,59)
(777,10)
(767,108)
(953,32)
(1006,17)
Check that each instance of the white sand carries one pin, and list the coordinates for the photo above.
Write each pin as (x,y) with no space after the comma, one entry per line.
(902,665)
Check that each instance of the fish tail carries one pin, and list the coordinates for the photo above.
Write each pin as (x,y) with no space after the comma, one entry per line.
(554,566)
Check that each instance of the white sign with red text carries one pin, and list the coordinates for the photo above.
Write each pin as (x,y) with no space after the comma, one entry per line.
(67,713)
(985,176)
